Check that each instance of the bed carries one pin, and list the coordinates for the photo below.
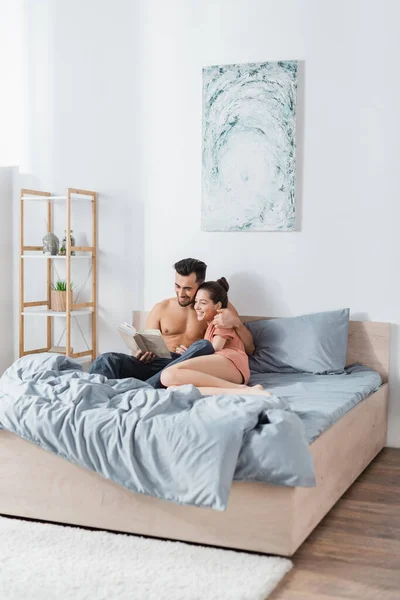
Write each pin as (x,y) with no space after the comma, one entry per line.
(270,519)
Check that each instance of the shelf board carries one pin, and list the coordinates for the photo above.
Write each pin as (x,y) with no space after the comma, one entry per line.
(56,198)
(57,257)
(53,313)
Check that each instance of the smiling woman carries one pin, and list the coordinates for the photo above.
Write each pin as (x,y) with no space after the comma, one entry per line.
(228,367)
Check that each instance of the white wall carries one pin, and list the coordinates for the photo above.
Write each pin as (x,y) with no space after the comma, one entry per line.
(12,90)
(115,106)
(346,252)
(6,268)
(81,74)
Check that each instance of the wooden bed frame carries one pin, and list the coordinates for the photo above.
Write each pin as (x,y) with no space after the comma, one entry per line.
(37,484)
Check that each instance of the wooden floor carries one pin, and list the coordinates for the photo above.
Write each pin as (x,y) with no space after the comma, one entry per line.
(355,551)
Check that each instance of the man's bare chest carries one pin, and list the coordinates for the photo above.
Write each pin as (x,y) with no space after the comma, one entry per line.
(186,324)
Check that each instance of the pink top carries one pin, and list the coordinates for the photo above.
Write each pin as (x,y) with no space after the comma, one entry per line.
(233,349)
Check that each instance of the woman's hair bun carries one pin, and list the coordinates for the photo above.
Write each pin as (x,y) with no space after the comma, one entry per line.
(223,282)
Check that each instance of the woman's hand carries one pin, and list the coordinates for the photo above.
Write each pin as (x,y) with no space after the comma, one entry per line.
(181,349)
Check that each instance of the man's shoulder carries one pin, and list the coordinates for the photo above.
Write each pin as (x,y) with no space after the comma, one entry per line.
(166,304)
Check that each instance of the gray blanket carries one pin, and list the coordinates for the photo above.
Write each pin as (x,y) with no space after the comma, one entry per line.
(176,445)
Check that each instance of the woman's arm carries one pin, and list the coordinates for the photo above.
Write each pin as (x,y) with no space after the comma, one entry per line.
(229,318)
(218,342)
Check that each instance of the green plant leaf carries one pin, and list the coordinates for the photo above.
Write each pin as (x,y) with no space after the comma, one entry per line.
(61,286)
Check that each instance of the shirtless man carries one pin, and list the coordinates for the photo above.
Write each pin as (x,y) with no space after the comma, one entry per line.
(182,332)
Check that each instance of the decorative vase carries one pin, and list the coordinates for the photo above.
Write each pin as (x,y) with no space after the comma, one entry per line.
(59,300)
(63,250)
(50,244)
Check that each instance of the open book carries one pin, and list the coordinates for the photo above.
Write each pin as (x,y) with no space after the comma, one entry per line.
(148,340)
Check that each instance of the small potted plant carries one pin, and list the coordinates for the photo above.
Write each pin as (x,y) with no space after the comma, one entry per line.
(59,296)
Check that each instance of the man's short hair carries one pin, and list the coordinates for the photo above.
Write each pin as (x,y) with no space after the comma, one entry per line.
(186,266)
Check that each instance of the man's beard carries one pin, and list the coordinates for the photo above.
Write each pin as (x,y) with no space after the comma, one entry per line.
(185,303)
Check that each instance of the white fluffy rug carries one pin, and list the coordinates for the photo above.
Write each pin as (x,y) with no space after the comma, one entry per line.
(43,561)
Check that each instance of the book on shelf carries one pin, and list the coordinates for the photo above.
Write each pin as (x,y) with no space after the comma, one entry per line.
(147,340)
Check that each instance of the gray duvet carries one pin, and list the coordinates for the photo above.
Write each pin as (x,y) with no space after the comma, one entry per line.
(176,445)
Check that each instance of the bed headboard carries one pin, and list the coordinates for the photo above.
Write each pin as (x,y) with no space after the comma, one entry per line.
(369,342)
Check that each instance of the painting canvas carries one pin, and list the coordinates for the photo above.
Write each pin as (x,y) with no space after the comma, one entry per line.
(248,175)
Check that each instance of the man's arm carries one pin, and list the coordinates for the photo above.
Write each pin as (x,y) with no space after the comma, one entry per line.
(153,320)
(229,318)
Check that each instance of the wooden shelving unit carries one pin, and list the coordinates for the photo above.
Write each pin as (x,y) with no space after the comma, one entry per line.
(42,308)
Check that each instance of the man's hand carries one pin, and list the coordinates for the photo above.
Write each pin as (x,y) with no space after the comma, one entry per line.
(226,319)
(145,357)
(181,349)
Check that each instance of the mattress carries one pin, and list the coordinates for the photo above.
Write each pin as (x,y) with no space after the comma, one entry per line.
(321,400)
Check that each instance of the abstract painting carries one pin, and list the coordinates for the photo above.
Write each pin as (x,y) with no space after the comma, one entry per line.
(249,124)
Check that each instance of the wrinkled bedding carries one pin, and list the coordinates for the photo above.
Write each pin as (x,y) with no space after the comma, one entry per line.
(321,400)
(171,444)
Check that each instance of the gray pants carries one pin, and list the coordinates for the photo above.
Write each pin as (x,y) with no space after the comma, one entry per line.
(115,365)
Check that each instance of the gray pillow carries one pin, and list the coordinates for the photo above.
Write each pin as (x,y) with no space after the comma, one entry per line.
(315,343)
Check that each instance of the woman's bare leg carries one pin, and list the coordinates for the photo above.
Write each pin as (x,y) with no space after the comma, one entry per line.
(208,372)
(212,371)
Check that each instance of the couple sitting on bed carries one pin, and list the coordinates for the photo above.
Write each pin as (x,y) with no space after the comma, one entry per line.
(207,340)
